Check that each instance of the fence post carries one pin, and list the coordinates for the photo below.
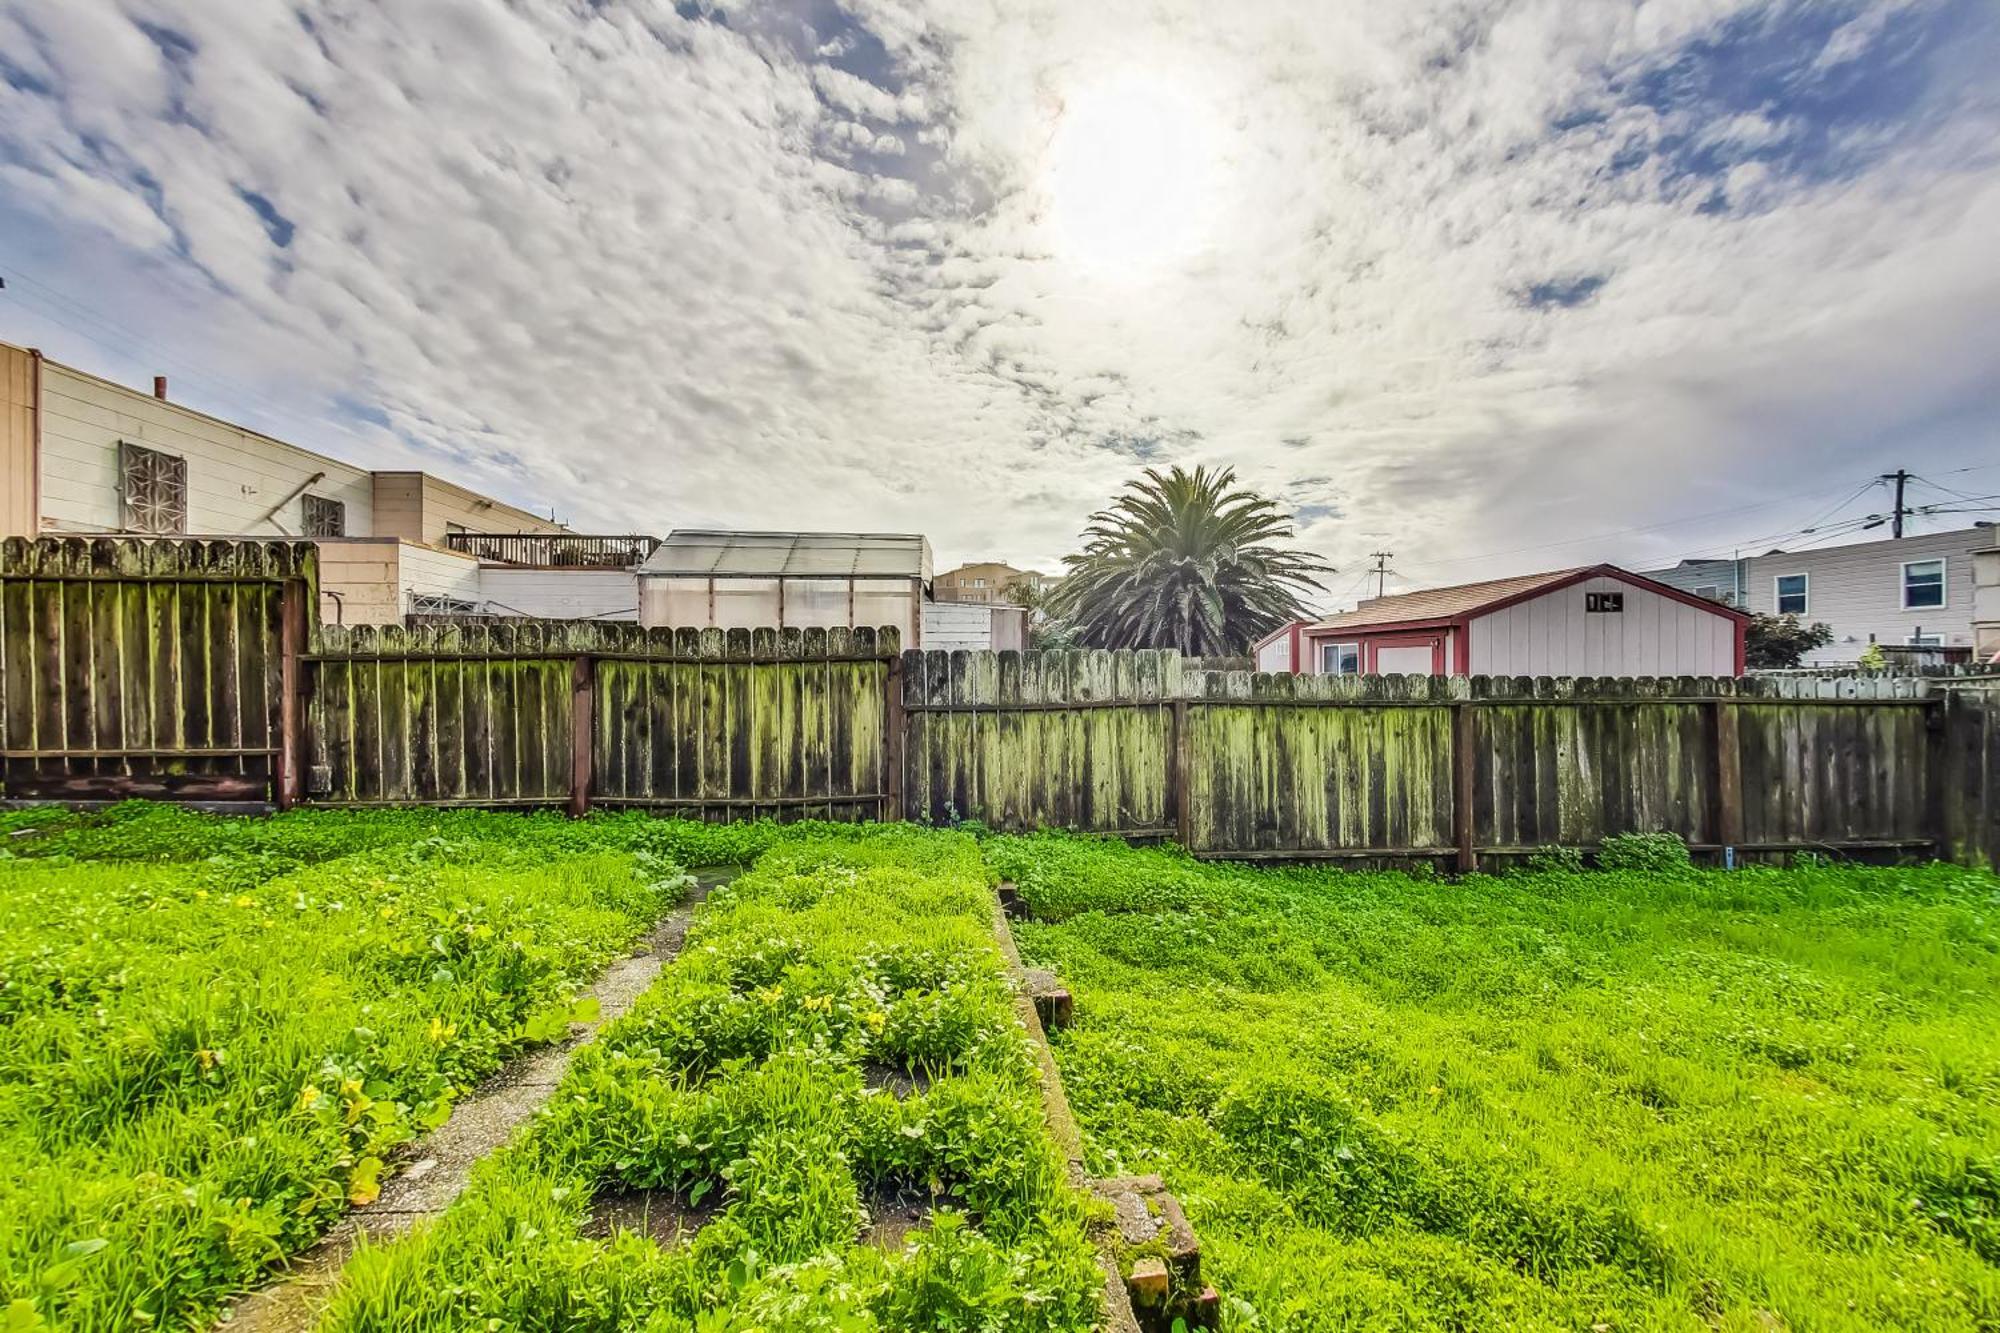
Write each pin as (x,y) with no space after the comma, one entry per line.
(583,730)
(291,693)
(1462,823)
(892,741)
(1728,814)
(1183,813)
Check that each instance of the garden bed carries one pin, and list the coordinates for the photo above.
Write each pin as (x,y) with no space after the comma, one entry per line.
(825,1108)
(1640,1098)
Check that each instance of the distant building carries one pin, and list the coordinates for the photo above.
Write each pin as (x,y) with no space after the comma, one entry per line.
(747,580)
(1717,580)
(1915,592)
(986,582)
(1593,621)
(80,454)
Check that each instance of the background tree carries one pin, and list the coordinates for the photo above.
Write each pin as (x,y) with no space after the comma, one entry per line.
(1185,560)
(1781,641)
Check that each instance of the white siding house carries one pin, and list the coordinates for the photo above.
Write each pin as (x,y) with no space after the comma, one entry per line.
(238,482)
(1907,591)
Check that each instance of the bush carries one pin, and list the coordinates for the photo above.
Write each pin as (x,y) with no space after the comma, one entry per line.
(1645,854)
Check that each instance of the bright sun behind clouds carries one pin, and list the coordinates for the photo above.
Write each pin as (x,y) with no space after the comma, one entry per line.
(1134,176)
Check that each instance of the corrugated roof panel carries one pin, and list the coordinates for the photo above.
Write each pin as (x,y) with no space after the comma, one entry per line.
(792,554)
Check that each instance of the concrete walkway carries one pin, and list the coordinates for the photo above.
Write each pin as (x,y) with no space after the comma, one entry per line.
(440,1164)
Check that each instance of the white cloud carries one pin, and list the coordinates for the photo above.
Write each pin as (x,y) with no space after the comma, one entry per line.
(1443,287)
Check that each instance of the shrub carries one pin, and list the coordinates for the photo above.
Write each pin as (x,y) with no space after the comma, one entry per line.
(1645,854)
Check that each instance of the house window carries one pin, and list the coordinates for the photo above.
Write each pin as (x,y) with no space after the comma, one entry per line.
(324,517)
(1791,590)
(152,490)
(1923,584)
(1340,659)
(1711,591)
(1604,603)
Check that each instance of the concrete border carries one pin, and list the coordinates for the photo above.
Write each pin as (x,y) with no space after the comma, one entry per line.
(1118,1315)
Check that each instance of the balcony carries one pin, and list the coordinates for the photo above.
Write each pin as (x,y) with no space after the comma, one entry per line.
(553,550)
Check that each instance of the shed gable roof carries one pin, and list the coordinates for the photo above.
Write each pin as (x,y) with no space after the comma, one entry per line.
(1464,600)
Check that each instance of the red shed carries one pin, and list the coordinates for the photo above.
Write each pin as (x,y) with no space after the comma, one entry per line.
(1597,620)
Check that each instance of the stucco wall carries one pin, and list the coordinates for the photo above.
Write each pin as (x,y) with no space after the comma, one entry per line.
(360,582)
(420,508)
(1554,635)
(559,594)
(17,443)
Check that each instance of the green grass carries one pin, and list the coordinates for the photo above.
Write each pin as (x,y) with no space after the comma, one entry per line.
(213,1031)
(1644,1099)
(738,1083)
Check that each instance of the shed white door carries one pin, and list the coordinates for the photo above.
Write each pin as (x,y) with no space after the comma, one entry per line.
(1414,660)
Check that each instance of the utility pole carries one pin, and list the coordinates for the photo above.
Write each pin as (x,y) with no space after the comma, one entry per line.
(1381,571)
(1901,477)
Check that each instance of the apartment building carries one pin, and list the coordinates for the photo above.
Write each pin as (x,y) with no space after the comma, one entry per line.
(986,582)
(80,454)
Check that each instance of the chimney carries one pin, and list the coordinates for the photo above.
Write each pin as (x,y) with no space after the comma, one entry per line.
(160,387)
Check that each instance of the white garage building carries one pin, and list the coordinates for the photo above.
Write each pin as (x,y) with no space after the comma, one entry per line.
(1597,620)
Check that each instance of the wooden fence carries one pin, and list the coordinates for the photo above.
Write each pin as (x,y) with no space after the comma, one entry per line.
(189,670)
(745,724)
(163,669)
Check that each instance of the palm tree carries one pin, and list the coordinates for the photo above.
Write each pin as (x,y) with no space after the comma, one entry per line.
(1185,560)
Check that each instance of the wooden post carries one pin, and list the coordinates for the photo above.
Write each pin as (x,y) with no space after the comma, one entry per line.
(1183,812)
(1462,822)
(892,742)
(1728,775)
(583,728)
(291,693)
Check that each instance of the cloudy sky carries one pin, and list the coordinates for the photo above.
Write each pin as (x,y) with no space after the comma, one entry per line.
(1494,286)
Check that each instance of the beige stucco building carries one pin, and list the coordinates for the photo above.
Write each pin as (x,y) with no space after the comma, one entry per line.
(986,581)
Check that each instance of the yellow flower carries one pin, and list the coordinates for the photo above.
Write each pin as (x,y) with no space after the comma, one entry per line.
(308,1097)
(877,1019)
(441,1031)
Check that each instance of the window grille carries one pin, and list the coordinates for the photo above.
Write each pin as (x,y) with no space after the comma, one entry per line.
(152,489)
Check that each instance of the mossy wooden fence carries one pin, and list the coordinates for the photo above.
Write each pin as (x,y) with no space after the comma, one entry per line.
(785,723)
(1280,767)
(189,670)
(162,669)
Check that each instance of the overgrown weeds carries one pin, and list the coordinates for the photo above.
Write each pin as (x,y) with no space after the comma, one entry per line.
(1652,1097)
(216,1031)
(739,1080)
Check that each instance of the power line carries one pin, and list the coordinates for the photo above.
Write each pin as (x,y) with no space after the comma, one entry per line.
(1651,527)
(55,304)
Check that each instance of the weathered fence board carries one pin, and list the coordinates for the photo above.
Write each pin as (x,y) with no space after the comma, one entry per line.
(713,725)
(134,668)
(1077,740)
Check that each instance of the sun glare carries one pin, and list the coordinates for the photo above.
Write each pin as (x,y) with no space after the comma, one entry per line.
(1132,176)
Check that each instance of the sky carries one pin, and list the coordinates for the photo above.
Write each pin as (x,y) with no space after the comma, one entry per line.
(1493,287)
